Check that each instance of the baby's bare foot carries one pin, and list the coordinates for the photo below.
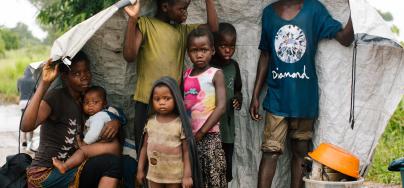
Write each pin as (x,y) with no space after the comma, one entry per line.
(59,165)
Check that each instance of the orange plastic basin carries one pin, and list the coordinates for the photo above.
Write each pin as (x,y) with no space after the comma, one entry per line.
(336,158)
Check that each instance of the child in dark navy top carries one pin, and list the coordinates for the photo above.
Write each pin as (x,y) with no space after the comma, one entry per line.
(225,44)
(291,30)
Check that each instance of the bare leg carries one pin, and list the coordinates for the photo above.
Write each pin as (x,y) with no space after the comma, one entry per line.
(108,182)
(299,150)
(75,160)
(155,185)
(85,152)
(267,169)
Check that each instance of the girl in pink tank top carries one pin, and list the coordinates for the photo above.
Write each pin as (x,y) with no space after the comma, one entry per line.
(205,98)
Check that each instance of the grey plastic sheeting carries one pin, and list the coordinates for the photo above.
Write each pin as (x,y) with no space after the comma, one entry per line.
(379,85)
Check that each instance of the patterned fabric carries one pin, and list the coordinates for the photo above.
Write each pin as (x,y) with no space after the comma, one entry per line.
(161,54)
(292,80)
(36,175)
(164,151)
(51,177)
(200,98)
(212,161)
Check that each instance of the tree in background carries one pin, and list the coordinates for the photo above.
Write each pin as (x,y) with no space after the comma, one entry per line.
(64,14)
(25,35)
(9,38)
(2,46)
(15,38)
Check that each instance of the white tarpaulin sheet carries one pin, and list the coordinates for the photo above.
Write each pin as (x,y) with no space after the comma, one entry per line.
(73,40)
(368,20)
(379,80)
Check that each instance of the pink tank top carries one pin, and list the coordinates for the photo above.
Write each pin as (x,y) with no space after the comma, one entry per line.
(200,98)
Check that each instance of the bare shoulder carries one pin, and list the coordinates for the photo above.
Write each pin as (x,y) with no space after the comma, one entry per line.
(219,76)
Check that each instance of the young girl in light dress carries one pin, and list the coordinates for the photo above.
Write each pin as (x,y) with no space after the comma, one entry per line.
(168,146)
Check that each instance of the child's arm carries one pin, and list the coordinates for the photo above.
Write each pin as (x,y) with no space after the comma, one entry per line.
(220,91)
(212,24)
(238,96)
(212,16)
(133,37)
(187,179)
(346,35)
(140,175)
(38,110)
(262,70)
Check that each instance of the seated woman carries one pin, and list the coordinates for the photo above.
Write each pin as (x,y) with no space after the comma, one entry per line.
(60,113)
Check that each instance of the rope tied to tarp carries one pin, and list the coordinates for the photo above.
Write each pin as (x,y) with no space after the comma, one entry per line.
(353,82)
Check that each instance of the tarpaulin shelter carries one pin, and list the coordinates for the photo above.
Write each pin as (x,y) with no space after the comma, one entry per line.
(73,40)
(378,77)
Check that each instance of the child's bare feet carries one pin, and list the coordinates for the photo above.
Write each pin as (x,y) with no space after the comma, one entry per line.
(59,165)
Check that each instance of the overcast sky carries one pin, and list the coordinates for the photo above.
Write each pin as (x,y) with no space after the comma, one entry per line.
(14,11)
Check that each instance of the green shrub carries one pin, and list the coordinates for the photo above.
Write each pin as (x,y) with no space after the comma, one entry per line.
(390,147)
(12,67)
(10,39)
(2,47)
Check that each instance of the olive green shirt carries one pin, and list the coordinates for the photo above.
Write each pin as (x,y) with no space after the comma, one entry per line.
(161,53)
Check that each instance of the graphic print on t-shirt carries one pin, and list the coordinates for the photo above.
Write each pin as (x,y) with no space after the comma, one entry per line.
(290,43)
(69,139)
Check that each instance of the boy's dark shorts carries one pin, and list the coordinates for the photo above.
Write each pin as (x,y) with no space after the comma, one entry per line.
(278,127)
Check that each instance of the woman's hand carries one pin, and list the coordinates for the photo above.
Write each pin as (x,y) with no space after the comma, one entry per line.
(49,72)
(110,130)
(187,182)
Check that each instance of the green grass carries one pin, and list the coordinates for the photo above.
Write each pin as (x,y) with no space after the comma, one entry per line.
(390,147)
(12,67)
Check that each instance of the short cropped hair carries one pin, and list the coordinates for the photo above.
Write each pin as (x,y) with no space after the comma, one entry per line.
(200,32)
(100,90)
(225,29)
